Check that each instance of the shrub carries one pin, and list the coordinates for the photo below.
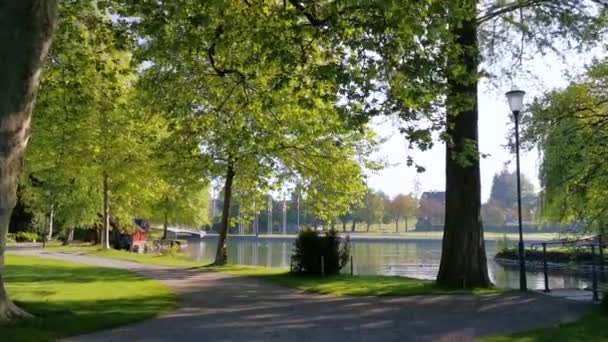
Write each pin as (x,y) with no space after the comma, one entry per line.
(310,247)
(605,302)
(503,244)
(26,237)
(10,238)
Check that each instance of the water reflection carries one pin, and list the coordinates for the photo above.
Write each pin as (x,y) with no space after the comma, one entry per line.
(417,259)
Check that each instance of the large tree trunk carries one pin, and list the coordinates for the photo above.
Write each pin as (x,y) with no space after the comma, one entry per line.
(221,256)
(354,226)
(344,226)
(26,28)
(397,225)
(105,231)
(463,257)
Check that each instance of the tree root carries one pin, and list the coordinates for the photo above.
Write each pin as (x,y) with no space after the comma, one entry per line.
(11,312)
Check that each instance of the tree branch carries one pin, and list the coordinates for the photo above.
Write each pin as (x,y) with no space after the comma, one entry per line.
(514,6)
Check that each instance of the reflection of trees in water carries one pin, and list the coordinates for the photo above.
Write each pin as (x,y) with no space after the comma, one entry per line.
(254,252)
(268,254)
(284,254)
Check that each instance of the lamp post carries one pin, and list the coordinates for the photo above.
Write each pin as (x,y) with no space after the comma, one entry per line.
(516,103)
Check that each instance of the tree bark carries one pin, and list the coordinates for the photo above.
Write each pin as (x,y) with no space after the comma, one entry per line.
(463,257)
(221,256)
(344,226)
(354,226)
(405,224)
(69,237)
(26,29)
(105,231)
(397,225)
(51,219)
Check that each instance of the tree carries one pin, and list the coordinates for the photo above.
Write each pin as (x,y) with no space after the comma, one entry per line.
(256,105)
(26,29)
(426,58)
(93,147)
(403,207)
(372,208)
(569,128)
(431,208)
(504,189)
(503,198)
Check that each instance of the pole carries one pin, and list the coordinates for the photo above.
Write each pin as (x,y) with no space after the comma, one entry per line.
(298,214)
(522,263)
(284,217)
(601,247)
(255,220)
(322,266)
(545,268)
(240,226)
(594,271)
(269,214)
(351,266)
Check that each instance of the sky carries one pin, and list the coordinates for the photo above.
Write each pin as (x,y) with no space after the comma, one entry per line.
(494,124)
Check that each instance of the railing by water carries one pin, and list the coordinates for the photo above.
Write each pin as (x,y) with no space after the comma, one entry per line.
(595,266)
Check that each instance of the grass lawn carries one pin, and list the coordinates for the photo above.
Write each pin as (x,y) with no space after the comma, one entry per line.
(358,285)
(71,299)
(346,285)
(591,328)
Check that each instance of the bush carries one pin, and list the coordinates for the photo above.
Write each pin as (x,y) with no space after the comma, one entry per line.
(310,247)
(503,244)
(10,238)
(605,302)
(26,237)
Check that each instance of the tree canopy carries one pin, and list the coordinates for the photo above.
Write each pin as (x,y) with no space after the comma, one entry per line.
(569,127)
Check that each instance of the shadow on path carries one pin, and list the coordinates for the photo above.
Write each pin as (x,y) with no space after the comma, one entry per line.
(220,307)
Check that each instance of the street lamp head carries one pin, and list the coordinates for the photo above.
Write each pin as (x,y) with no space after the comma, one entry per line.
(516,100)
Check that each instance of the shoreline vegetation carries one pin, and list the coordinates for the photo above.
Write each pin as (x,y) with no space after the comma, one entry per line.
(564,256)
(413,235)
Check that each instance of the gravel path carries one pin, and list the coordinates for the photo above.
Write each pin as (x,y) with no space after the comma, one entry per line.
(220,307)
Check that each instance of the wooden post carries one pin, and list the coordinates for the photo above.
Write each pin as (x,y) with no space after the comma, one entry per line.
(351,266)
(322,266)
(545,267)
(601,245)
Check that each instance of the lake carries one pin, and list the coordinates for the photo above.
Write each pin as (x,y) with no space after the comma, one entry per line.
(411,258)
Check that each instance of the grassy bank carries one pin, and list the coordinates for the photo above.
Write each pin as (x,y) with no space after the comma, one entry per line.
(70,299)
(336,285)
(346,285)
(171,260)
(591,328)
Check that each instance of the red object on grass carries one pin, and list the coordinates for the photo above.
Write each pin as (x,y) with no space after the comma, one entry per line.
(142,227)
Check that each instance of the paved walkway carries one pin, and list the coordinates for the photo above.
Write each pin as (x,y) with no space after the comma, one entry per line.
(220,307)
